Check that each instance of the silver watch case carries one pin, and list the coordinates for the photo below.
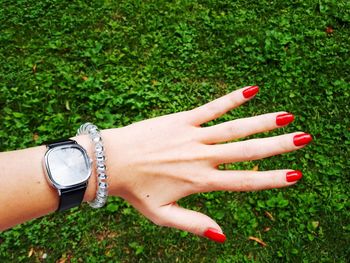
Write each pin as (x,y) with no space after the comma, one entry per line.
(52,176)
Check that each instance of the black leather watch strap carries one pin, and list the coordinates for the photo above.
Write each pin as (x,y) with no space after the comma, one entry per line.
(71,197)
(60,143)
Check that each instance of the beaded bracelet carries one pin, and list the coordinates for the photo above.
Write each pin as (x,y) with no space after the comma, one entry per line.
(102,185)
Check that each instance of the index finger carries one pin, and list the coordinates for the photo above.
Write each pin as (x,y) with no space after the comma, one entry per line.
(220,106)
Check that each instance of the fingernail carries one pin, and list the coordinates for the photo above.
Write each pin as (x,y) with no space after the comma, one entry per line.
(293,176)
(302,139)
(250,92)
(215,235)
(284,119)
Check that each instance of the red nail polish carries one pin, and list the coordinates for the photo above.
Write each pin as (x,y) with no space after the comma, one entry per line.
(284,119)
(302,139)
(215,235)
(250,92)
(293,176)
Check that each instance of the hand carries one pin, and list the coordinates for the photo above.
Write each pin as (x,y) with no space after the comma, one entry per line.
(154,163)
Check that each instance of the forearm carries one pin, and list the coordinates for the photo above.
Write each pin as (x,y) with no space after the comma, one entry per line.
(24,191)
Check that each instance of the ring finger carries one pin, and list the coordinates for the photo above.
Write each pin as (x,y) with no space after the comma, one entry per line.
(240,128)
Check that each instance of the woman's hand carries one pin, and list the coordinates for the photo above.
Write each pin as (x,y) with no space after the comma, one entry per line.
(154,163)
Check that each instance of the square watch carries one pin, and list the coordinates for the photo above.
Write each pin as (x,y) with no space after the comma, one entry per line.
(68,168)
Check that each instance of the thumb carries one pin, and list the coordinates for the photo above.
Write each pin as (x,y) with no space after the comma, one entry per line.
(173,215)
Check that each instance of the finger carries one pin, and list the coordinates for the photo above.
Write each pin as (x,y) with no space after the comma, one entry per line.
(220,106)
(240,128)
(251,180)
(172,215)
(258,148)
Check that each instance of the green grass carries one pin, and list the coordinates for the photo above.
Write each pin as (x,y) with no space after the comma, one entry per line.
(117,62)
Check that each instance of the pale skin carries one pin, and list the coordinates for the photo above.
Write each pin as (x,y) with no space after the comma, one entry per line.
(154,163)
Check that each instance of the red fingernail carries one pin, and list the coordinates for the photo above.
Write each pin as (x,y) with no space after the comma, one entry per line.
(215,235)
(284,119)
(293,176)
(250,92)
(302,139)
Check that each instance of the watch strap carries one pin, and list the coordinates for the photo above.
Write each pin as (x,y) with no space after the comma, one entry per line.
(71,197)
(60,143)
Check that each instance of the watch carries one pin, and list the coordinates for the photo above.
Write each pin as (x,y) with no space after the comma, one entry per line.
(68,168)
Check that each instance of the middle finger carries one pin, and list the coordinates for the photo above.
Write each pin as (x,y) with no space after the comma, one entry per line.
(258,148)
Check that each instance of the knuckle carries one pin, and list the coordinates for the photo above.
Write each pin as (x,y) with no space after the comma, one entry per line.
(284,144)
(234,99)
(184,116)
(195,183)
(247,183)
(214,109)
(249,150)
(203,153)
(273,180)
(277,181)
(234,127)
(159,221)
(203,183)
(209,182)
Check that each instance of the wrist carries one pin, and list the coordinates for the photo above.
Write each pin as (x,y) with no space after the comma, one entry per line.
(109,140)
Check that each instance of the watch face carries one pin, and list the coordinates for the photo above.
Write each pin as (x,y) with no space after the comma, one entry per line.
(67,165)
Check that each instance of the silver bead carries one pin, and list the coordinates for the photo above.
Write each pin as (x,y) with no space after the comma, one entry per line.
(100,164)
(99,154)
(102,185)
(96,139)
(102,194)
(99,147)
(101,168)
(102,176)
(100,158)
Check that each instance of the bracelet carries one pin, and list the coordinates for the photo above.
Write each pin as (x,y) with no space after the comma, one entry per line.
(102,185)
